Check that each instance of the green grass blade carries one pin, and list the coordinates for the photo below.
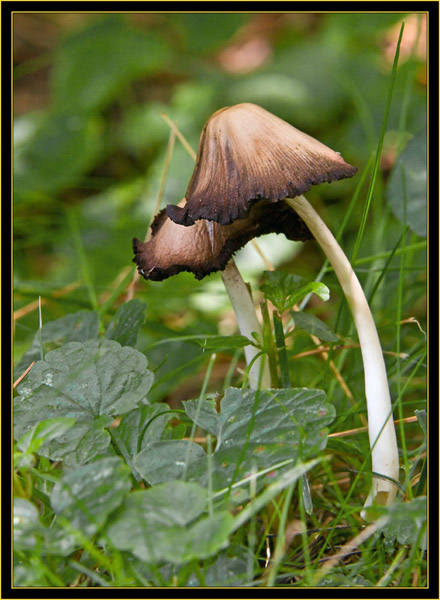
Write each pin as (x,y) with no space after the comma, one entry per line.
(379,146)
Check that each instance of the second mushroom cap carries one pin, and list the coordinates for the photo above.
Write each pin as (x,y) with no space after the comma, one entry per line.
(206,247)
(247,154)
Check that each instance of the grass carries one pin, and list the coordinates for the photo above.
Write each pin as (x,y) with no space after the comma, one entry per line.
(157,473)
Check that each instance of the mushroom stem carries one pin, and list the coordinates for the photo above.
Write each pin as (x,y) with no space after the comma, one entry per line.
(382,435)
(247,322)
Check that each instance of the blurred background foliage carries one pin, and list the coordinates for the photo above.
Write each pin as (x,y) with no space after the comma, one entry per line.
(90,145)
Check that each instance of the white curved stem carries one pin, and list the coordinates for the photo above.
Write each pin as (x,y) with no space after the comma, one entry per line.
(247,322)
(383,443)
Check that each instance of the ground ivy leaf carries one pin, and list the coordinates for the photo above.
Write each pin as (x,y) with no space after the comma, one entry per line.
(163,524)
(91,382)
(292,414)
(30,534)
(406,519)
(254,430)
(127,321)
(259,429)
(44,432)
(139,429)
(86,495)
(169,459)
(313,325)
(27,526)
(228,569)
(205,538)
(76,327)
(143,426)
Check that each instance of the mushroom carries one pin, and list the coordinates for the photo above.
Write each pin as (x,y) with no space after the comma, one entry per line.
(381,432)
(247,155)
(206,247)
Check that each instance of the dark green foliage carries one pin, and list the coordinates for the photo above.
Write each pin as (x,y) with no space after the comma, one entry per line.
(88,384)
(313,325)
(120,480)
(254,430)
(74,327)
(407,188)
(92,383)
(201,32)
(92,66)
(407,522)
(125,326)
(153,523)
(63,148)
(285,290)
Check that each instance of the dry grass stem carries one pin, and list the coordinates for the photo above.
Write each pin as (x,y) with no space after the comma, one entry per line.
(23,375)
(168,155)
(25,310)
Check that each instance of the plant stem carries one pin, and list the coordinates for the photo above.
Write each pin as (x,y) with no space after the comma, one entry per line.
(281,346)
(382,435)
(247,322)
(269,345)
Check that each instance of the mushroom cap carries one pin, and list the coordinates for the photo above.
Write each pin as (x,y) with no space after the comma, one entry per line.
(207,246)
(247,154)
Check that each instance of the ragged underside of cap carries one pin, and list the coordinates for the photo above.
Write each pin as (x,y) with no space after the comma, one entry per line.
(207,246)
(247,154)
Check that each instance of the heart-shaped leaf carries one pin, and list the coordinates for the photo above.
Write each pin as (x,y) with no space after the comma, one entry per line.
(86,495)
(255,431)
(92,383)
(77,327)
(165,523)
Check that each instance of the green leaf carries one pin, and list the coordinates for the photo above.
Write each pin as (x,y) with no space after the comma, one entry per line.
(168,459)
(220,342)
(406,520)
(63,148)
(76,327)
(422,418)
(254,431)
(86,495)
(227,569)
(204,32)
(313,325)
(92,383)
(127,321)
(30,534)
(285,290)
(407,188)
(287,478)
(44,432)
(27,526)
(143,426)
(140,428)
(93,65)
(164,523)
(83,498)
(286,415)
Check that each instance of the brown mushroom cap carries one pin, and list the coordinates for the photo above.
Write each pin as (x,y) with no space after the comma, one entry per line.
(207,246)
(247,154)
